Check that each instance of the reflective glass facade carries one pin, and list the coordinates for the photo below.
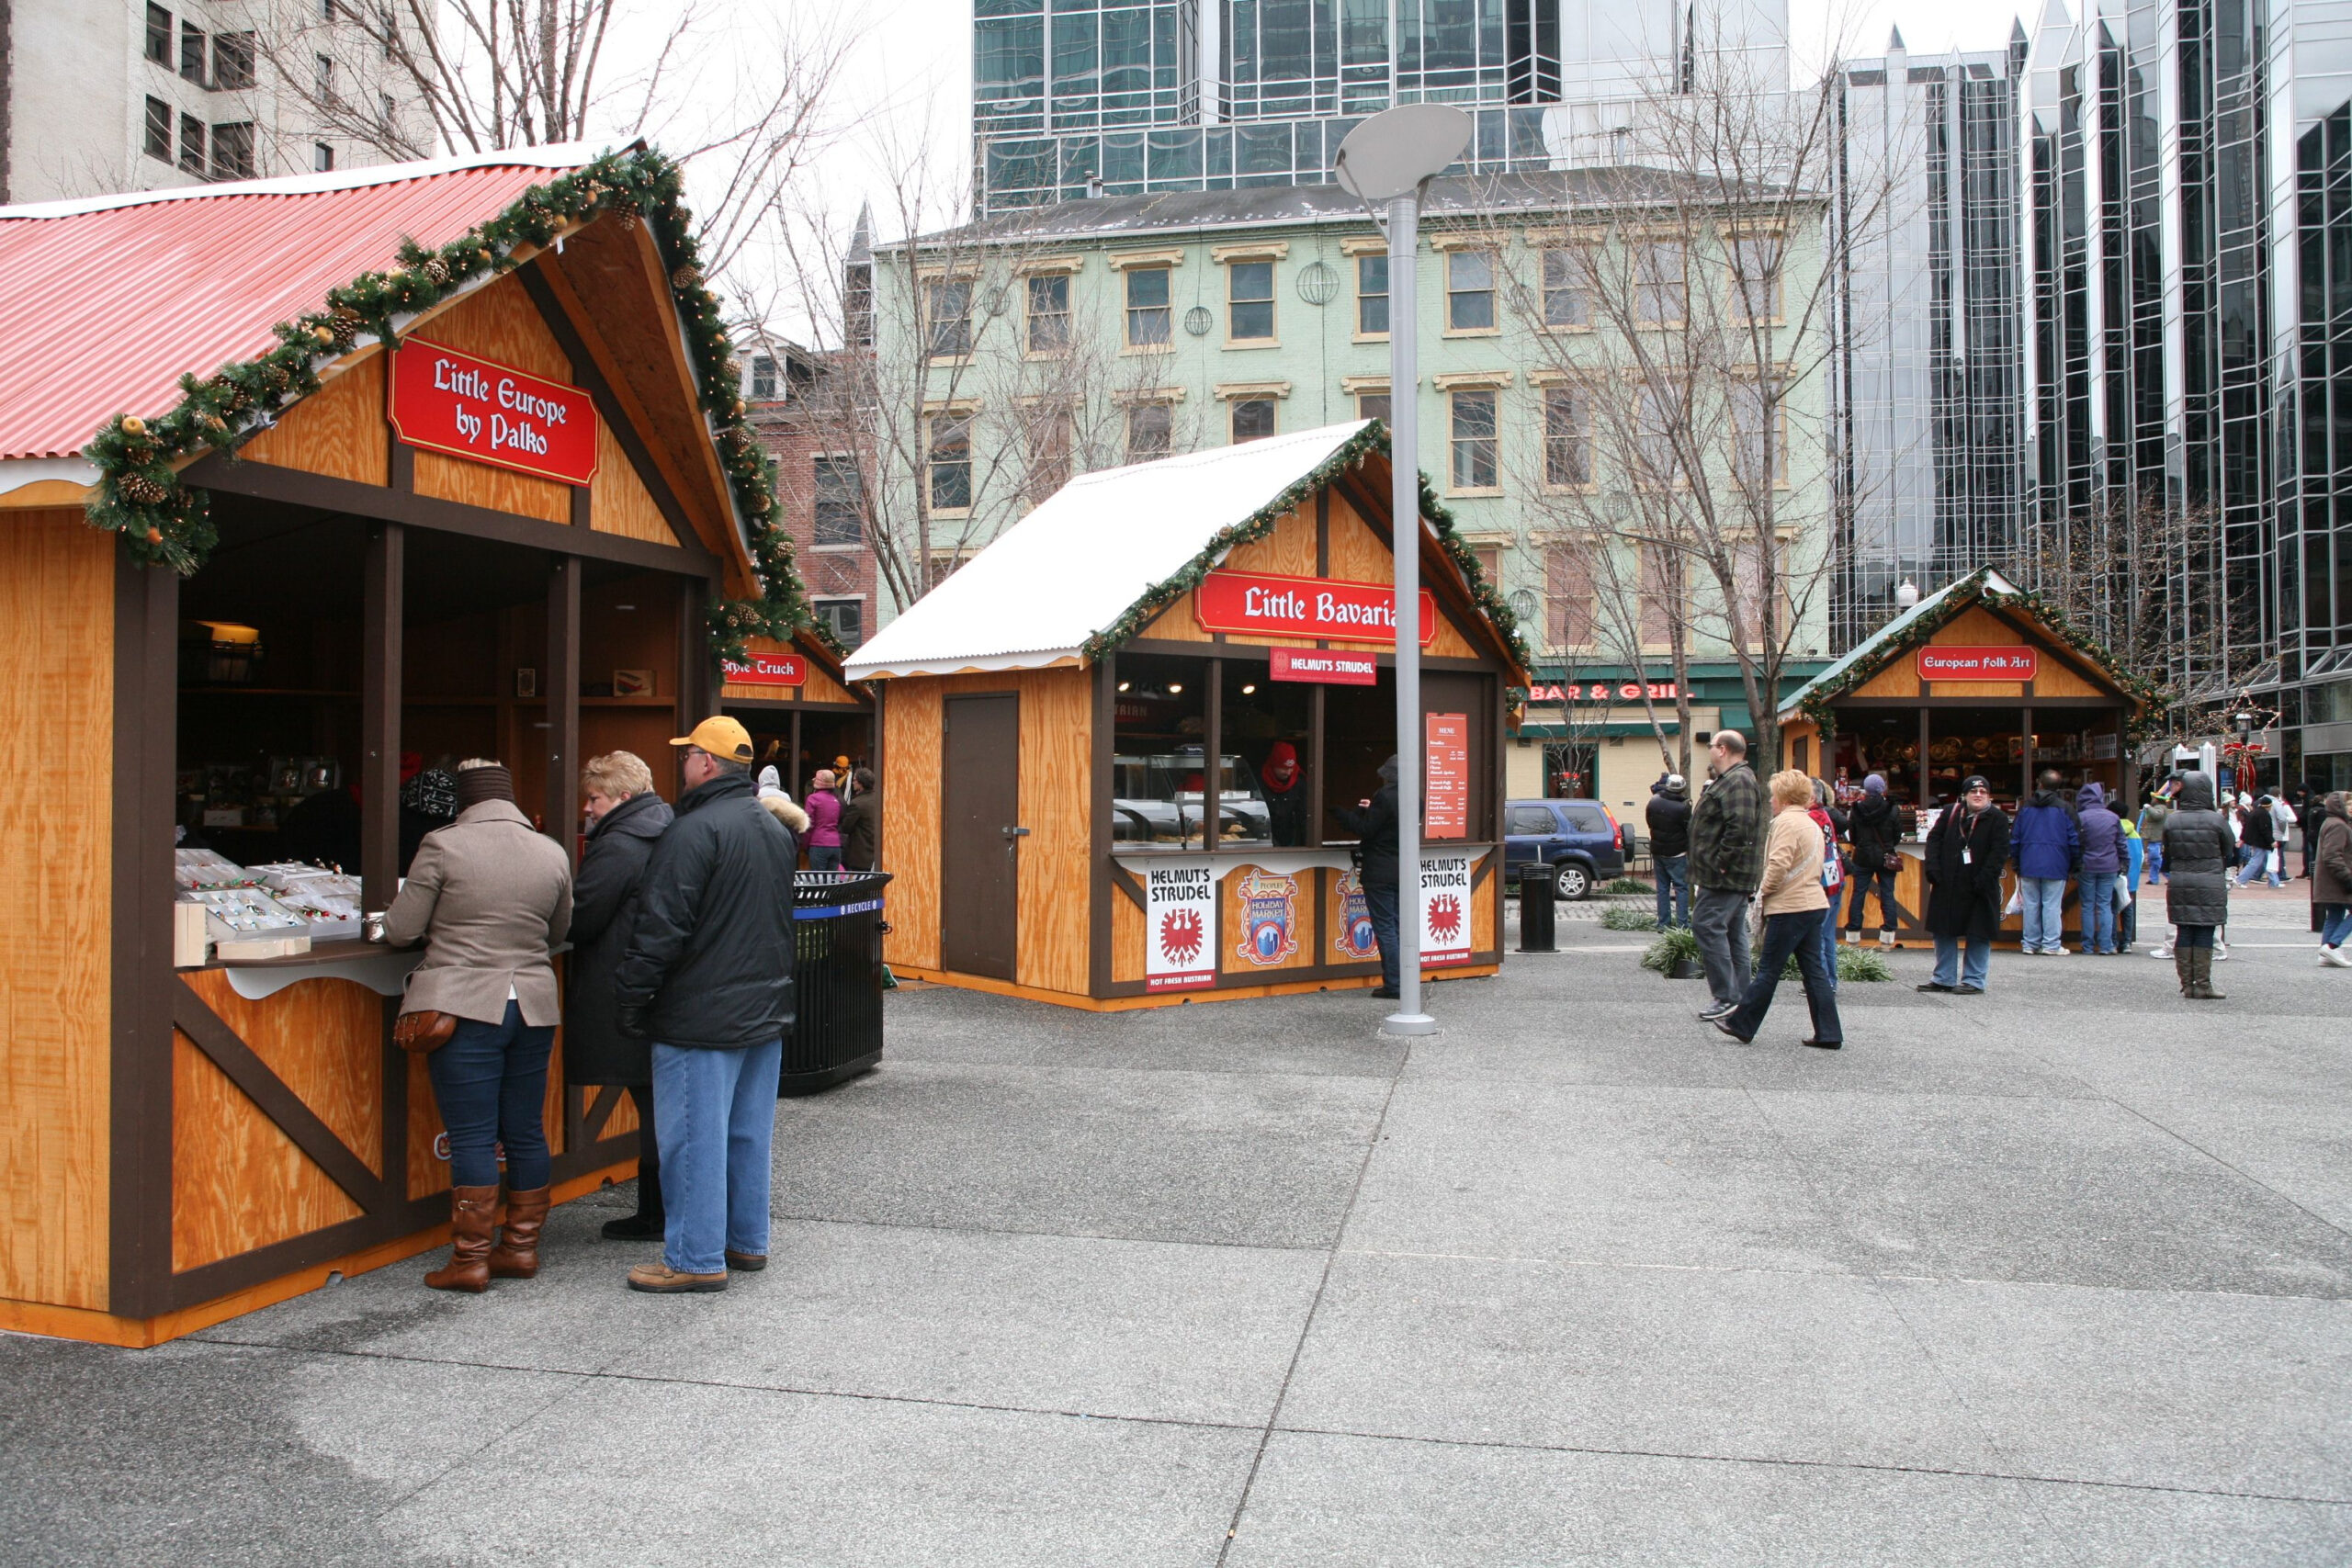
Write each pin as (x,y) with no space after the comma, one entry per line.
(1928,381)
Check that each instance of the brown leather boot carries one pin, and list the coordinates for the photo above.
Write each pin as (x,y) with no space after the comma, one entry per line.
(2183,967)
(471,1209)
(517,1254)
(2200,986)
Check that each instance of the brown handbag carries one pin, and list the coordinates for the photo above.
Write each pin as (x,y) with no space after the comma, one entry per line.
(423,1033)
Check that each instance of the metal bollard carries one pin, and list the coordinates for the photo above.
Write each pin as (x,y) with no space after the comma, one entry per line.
(1539,885)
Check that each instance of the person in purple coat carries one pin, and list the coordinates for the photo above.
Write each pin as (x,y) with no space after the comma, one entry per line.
(2101,864)
(824,808)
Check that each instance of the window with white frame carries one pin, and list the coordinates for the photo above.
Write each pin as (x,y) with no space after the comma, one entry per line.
(1371,295)
(763,383)
(1250,302)
(1147,308)
(839,511)
(1049,314)
(1476,450)
(1253,419)
(950,462)
(1565,301)
(951,318)
(1661,289)
(1756,276)
(1470,291)
(1150,431)
(1568,437)
(1374,403)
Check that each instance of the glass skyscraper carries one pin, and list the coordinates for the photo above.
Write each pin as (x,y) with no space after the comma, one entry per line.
(1927,376)
(1078,97)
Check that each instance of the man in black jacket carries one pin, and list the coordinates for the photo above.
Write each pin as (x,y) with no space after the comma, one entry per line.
(1670,823)
(1375,829)
(708,980)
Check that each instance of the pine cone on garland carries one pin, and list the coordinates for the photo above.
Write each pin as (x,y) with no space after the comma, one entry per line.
(140,490)
(685,278)
(436,271)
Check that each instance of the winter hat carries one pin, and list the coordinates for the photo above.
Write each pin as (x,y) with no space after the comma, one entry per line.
(770,784)
(1874,784)
(1676,785)
(1388,770)
(1973,782)
(480,780)
(432,792)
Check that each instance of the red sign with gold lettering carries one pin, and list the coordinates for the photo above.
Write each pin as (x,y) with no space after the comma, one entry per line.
(455,403)
(767,670)
(1268,605)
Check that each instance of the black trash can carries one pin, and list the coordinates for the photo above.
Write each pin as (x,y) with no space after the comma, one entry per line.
(1539,883)
(836,981)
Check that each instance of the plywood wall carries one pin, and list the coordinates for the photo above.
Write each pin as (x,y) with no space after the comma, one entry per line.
(1056,749)
(619,503)
(56,701)
(338,430)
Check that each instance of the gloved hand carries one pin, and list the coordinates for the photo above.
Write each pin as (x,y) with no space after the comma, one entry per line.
(630,1020)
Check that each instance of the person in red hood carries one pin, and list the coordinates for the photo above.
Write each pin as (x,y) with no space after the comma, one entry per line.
(1285,783)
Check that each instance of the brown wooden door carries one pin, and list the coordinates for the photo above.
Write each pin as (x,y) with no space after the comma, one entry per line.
(981,834)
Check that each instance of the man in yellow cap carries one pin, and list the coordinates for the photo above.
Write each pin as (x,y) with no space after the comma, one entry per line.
(707,979)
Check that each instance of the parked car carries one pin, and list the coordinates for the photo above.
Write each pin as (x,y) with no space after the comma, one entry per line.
(1578,837)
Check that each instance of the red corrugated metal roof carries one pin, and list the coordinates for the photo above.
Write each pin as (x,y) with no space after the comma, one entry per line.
(103,305)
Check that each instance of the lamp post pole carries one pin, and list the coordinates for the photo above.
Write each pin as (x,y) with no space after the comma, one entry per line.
(1404,542)
(1385,161)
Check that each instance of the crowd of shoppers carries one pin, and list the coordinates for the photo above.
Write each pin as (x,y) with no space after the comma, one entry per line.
(678,989)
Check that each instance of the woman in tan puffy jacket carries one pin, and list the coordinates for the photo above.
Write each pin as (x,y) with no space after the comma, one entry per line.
(1796,855)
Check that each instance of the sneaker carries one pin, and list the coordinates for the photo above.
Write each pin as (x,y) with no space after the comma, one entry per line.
(663,1279)
(2160,951)
(1721,1009)
(2220,953)
(2335,957)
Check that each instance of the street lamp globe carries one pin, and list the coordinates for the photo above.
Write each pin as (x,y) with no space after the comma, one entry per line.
(1906,594)
(1396,151)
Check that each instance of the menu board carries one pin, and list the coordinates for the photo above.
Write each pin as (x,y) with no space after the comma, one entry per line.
(1446,809)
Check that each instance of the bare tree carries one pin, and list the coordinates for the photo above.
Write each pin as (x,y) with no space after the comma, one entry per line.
(739,96)
(2115,574)
(1680,313)
(964,369)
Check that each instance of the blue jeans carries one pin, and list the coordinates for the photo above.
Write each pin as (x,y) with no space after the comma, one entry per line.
(718,1111)
(1785,934)
(1380,901)
(2336,926)
(1829,938)
(824,857)
(1863,880)
(2045,913)
(2127,923)
(490,1082)
(1952,969)
(2096,892)
(1673,874)
(2156,862)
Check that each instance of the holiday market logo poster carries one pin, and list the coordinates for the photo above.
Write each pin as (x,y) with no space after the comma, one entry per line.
(1269,917)
(1178,914)
(1445,909)
(1355,943)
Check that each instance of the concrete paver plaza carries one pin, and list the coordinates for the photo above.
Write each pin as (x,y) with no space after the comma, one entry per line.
(2058,1275)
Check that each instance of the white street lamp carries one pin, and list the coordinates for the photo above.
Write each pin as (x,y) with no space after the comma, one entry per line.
(1388,161)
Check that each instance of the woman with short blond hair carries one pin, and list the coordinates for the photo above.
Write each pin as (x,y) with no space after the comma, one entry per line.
(1795,905)
(624,817)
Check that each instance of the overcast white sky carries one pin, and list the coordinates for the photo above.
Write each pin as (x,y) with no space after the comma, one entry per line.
(913,68)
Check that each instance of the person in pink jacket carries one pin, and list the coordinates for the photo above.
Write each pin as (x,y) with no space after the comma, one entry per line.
(824,808)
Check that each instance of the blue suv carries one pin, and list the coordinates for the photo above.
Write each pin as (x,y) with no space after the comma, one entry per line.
(1578,837)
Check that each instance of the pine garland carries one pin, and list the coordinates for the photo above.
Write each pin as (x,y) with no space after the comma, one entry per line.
(2147,696)
(140,494)
(1373,437)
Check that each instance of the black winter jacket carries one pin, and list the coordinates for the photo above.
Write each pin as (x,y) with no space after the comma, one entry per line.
(603,917)
(1669,820)
(1964,865)
(709,964)
(861,828)
(1875,827)
(2200,850)
(1375,825)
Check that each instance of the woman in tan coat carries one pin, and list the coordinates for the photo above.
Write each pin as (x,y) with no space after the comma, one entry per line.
(1796,855)
(489,896)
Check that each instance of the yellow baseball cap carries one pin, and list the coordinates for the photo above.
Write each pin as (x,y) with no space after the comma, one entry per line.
(720,737)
